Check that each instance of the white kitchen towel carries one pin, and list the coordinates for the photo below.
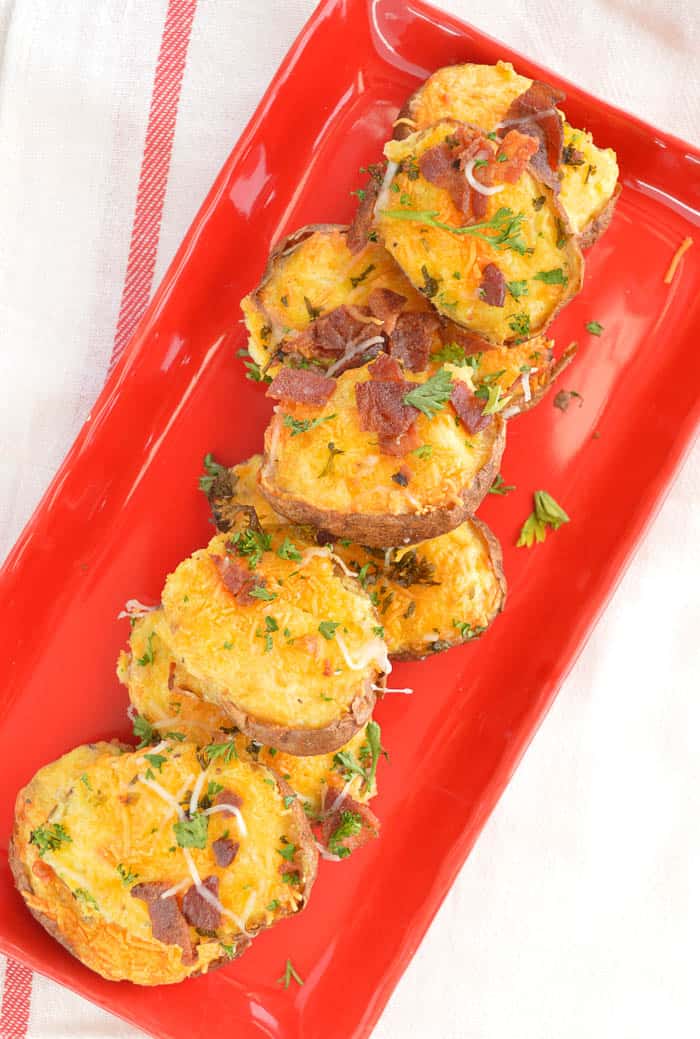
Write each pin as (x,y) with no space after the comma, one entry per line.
(572,915)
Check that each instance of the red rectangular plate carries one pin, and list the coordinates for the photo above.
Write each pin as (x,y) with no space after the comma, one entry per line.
(124,509)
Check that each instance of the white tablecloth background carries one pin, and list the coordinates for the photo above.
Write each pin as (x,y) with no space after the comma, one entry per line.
(572,916)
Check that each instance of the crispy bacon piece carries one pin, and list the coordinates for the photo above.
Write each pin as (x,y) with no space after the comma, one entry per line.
(358,232)
(368,820)
(236,579)
(386,305)
(400,445)
(534,114)
(493,286)
(440,165)
(412,338)
(469,408)
(225,851)
(197,911)
(228,797)
(471,344)
(386,367)
(518,149)
(301,386)
(329,336)
(380,403)
(167,922)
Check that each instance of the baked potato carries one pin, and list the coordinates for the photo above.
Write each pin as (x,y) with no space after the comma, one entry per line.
(169,702)
(482,95)
(285,644)
(505,273)
(436,595)
(159,864)
(390,458)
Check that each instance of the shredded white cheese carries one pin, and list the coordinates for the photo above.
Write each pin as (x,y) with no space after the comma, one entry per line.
(373,650)
(474,183)
(176,888)
(383,196)
(325,553)
(206,894)
(134,608)
(163,794)
(325,854)
(194,799)
(232,810)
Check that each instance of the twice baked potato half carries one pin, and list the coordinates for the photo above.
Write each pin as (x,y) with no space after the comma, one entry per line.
(282,641)
(152,866)
(498,258)
(169,703)
(382,455)
(435,595)
(484,95)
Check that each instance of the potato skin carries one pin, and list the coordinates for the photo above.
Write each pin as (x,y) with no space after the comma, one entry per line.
(503,93)
(105,946)
(384,531)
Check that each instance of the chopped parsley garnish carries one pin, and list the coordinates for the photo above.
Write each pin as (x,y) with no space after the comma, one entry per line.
(156,760)
(505,223)
(303,425)
(547,514)
(271,624)
(360,192)
(350,826)
(212,470)
(520,324)
(332,452)
(85,781)
(378,631)
(554,277)
(345,762)
(451,353)
(289,973)
(561,233)
(327,629)
(148,656)
(225,751)
(289,800)
(412,568)
(228,950)
(312,311)
(466,631)
(179,736)
(288,550)
(262,593)
(564,398)
(492,395)
(143,730)
(287,851)
(271,906)
(254,371)
(517,288)
(500,487)
(192,832)
(424,451)
(250,543)
(86,898)
(49,838)
(127,876)
(430,286)
(594,327)
(361,277)
(432,395)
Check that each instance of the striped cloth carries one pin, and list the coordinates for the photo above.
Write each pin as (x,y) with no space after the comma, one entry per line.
(115,116)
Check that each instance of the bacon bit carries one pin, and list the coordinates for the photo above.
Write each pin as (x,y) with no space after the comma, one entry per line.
(440,166)
(386,305)
(358,232)
(167,922)
(469,408)
(412,338)
(380,403)
(571,156)
(228,797)
(493,286)
(329,336)
(370,823)
(236,579)
(225,851)
(301,386)
(400,445)
(197,911)
(387,368)
(471,344)
(680,252)
(536,115)
(518,149)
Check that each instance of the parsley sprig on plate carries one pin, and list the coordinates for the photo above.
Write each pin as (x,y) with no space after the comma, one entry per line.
(547,515)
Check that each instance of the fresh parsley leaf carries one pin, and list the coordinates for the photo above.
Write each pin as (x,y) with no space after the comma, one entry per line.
(287,851)
(547,514)
(86,898)
(212,470)
(127,876)
(289,973)
(85,781)
(149,655)
(192,832)
(432,395)
(156,760)
(327,629)
(254,371)
(262,593)
(494,401)
(143,730)
(225,751)
(49,838)
(500,487)
(424,451)
(332,452)
(374,742)
(594,327)
(554,277)
(517,288)
(271,624)
(520,324)
(250,543)
(289,800)
(288,550)
(504,222)
(303,425)
(378,631)
(361,277)
(350,825)
(272,906)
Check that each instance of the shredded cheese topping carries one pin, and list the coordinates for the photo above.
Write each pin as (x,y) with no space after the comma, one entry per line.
(678,256)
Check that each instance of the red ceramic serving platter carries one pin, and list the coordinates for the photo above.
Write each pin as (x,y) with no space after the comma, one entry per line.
(124,509)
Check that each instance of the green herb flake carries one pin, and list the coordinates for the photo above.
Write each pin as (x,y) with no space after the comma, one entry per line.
(432,395)
(327,629)
(547,514)
(49,838)
(86,898)
(333,451)
(520,324)
(500,487)
(424,451)
(594,327)
(288,550)
(554,277)
(361,277)
(156,760)
(517,288)
(212,469)
(350,826)
(506,224)
(225,751)
(298,426)
(143,731)
(289,974)
(192,832)
(263,593)
(149,655)
(126,875)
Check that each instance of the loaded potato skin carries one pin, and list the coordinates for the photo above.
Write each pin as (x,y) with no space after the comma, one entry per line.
(502,264)
(483,95)
(167,699)
(279,640)
(367,466)
(157,865)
